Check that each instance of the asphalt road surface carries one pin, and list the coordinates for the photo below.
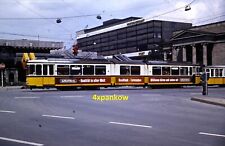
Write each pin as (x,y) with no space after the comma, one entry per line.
(156,117)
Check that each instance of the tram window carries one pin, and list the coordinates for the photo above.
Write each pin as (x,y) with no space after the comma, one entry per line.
(212,72)
(166,70)
(135,70)
(175,70)
(100,70)
(198,70)
(51,70)
(88,70)
(220,72)
(156,70)
(208,74)
(31,69)
(75,69)
(38,70)
(216,72)
(194,70)
(190,70)
(184,71)
(45,69)
(124,70)
(63,70)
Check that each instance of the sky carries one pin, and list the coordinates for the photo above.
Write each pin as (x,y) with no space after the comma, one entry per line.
(36,19)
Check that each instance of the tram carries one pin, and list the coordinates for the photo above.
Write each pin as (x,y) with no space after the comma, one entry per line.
(215,75)
(78,73)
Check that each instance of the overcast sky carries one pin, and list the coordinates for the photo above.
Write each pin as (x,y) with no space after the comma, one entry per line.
(202,12)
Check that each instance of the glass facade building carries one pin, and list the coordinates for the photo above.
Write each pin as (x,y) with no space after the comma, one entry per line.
(133,34)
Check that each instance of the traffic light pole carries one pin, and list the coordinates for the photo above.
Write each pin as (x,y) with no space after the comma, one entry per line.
(2,78)
(204,84)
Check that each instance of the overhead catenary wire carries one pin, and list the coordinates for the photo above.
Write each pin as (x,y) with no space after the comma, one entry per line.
(89,15)
(171,11)
(46,18)
(33,36)
(36,13)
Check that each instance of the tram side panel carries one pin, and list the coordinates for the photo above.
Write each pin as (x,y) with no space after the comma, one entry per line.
(129,75)
(216,75)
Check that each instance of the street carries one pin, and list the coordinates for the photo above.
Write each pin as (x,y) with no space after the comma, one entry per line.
(157,117)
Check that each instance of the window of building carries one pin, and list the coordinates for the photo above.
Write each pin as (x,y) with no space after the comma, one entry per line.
(76,70)
(142,31)
(184,71)
(45,69)
(124,70)
(100,70)
(38,70)
(121,36)
(156,70)
(131,34)
(175,70)
(159,35)
(88,69)
(135,70)
(63,70)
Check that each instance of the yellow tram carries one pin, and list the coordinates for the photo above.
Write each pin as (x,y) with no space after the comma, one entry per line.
(215,74)
(76,73)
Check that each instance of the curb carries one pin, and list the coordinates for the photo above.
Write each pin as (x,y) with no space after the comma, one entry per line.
(10,87)
(210,100)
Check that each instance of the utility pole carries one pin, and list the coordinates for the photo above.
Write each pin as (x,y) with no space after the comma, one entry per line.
(2,77)
(2,67)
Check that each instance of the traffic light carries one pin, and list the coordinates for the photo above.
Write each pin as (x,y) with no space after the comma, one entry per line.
(75,49)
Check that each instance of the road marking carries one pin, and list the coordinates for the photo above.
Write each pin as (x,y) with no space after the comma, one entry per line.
(195,93)
(4,111)
(21,141)
(71,96)
(211,134)
(128,124)
(61,117)
(31,97)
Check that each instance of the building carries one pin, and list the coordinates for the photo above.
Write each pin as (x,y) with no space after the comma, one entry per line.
(203,45)
(135,37)
(11,54)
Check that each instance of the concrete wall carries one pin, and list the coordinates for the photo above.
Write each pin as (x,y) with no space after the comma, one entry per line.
(214,28)
(218,54)
(31,44)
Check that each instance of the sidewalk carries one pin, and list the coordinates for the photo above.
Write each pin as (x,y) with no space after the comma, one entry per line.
(10,87)
(210,100)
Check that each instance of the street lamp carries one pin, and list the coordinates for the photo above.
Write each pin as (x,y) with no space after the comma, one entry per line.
(99,17)
(58,20)
(187,7)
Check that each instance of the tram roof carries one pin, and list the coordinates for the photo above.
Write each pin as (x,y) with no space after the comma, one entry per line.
(216,66)
(169,63)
